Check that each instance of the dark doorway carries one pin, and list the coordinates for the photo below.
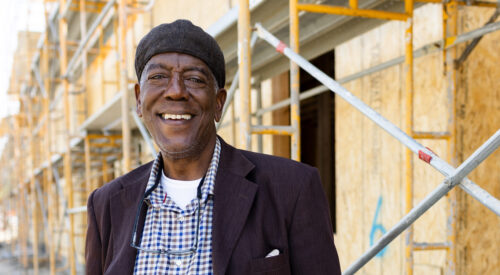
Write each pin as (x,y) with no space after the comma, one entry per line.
(317,131)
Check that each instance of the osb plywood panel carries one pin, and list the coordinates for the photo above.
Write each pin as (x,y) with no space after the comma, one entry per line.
(370,163)
(431,105)
(478,117)
(368,174)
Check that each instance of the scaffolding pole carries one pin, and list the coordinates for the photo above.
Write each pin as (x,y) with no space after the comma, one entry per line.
(63,30)
(86,148)
(450,31)
(44,60)
(20,184)
(122,47)
(408,70)
(244,73)
(33,199)
(294,81)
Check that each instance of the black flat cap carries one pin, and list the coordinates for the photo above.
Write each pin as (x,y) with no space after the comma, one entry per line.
(181,36)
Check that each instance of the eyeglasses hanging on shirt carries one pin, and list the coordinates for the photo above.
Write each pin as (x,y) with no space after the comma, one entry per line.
(145,200)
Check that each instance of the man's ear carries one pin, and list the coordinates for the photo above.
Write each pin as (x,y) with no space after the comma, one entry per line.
(220,99)
(138,108)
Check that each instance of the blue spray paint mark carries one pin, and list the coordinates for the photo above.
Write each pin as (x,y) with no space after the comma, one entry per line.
(377,226)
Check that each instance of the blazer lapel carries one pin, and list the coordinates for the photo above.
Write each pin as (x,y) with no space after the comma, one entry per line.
(123,207)
(233,199)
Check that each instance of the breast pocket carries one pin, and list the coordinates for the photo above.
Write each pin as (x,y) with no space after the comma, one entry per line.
(276,265)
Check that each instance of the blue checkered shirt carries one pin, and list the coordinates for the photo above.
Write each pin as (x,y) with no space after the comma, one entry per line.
(168,227)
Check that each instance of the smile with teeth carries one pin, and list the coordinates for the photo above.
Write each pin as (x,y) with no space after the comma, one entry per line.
(176,117)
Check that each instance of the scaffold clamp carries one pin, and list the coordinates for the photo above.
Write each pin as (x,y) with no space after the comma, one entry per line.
(424,156)
(281,47)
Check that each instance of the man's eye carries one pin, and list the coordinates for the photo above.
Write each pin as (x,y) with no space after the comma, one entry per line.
(195,80)
(157,76)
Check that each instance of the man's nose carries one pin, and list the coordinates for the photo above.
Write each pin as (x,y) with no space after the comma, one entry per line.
(176,89)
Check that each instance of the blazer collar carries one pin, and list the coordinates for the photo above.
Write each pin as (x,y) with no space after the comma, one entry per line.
(234,195)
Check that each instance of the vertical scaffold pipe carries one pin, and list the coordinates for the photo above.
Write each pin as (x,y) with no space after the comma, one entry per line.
(122,32)
(450,18)
(244,62)
(294,82)
(63,30)
(33,197)
(48,153)
(408,70)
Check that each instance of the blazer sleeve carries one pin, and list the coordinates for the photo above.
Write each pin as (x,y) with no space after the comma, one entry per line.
(93,245)
(312,249)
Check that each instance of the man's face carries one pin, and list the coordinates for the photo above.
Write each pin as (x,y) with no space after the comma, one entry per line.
(178,103)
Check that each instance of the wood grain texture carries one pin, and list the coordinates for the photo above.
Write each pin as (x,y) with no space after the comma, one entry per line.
(478,117)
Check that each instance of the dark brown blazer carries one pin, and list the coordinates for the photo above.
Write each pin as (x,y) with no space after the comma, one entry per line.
(261,203)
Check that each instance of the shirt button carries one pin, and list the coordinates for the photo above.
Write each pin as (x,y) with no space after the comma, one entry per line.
(180,218)
(178,263)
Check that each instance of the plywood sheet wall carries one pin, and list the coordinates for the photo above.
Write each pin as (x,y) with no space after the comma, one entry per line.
(478,117)
(370,163)
(201,13)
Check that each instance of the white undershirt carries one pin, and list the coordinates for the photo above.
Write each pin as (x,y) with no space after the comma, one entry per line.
(180,191)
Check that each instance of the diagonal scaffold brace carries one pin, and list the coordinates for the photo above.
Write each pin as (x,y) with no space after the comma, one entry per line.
(453,176)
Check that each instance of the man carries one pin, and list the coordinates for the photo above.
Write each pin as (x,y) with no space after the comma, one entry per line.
(202,206)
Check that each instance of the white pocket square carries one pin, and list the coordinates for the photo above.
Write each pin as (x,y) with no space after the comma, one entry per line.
(273,253)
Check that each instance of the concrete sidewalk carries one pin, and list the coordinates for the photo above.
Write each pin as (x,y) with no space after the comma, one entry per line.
(9,264)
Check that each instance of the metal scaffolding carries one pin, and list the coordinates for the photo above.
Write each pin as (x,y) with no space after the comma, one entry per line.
(453,176)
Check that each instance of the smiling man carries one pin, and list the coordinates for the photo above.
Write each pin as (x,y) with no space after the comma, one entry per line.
(202,206)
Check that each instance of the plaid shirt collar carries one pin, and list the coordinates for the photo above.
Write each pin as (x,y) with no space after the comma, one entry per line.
(158,199)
